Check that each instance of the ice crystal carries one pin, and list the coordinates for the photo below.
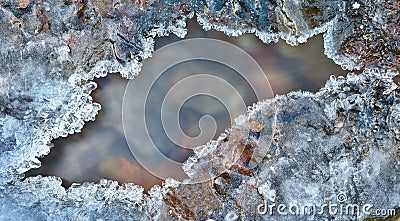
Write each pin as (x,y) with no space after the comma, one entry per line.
(308,147)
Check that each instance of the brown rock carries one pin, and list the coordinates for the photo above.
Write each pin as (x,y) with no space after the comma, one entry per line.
(23,3)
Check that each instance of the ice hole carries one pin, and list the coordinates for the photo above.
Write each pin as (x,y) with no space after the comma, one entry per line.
(101,151)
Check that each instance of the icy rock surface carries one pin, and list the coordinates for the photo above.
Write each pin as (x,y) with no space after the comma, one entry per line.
(357,33)
(340,141)
(306,146)
(49,52)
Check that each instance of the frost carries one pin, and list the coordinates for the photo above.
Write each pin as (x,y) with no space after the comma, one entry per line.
(231,216)
(359,165)
(51,50)
(357,33)
(354,155)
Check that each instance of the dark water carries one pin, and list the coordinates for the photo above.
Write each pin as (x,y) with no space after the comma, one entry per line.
(101,151)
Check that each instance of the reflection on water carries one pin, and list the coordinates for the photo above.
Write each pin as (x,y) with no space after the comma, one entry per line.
(101,150)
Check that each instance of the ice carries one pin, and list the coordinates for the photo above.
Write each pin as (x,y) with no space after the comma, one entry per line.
(357,33)
(52,49)
(350,155)
(43,198)
(365,34)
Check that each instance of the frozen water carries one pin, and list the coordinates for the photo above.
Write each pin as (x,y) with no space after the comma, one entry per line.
(50,50)
(352,154)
